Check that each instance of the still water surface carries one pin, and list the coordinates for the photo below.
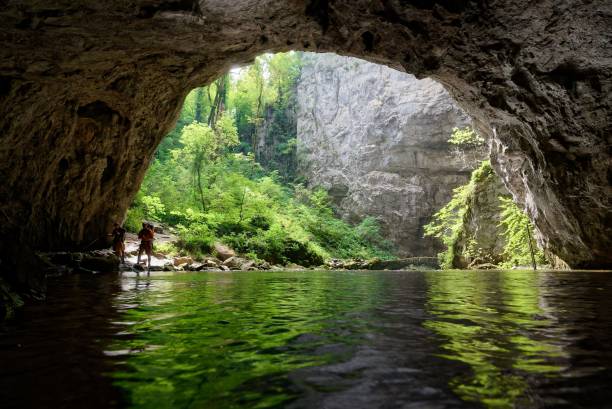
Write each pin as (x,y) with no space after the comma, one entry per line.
(451,339)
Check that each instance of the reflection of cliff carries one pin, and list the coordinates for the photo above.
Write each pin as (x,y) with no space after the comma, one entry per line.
(375,138)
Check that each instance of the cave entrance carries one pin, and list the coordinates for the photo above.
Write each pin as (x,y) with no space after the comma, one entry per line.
(84,109)
(339,157)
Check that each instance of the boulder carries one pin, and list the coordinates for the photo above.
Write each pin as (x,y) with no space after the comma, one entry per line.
(235,263)
(485,266)
(182,260)
(248,265)
(293,266)
(100,262)
(223,252)
(195,266)
(211,262)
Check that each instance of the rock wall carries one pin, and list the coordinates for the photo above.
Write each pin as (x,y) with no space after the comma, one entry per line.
(376,140)
(88,89)
(481,238)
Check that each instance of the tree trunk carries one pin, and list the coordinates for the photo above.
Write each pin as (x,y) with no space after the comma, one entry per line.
(199,185)
(198,105)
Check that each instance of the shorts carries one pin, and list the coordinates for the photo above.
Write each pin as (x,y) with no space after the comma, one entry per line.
(119,247)
(147,247)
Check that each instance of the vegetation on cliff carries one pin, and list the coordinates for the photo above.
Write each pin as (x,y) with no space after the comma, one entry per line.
(451,224)
(208,182)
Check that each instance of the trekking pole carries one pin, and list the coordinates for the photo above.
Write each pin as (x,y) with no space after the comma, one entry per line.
(90,244)
(533,262)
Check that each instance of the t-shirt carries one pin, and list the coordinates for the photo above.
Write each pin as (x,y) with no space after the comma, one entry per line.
(145,234)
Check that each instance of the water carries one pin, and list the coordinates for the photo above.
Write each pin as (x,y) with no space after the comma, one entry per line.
(450,339)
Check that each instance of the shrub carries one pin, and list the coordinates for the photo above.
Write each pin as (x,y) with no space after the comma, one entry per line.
(133,219)
(518,232)
(447,223)
(196,238)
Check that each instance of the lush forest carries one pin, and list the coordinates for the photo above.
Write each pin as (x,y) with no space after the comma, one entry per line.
(227,173)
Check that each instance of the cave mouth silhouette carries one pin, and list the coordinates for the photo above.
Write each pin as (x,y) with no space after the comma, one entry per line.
(83,83)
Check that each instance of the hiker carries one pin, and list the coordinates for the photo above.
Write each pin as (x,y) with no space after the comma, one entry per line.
(146,243)
(118,234)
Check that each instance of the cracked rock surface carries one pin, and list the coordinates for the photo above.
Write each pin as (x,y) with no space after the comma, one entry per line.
(89,88)
(376,140)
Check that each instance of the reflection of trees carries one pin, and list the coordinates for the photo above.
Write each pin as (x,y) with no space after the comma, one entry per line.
(216,337)
(494,323)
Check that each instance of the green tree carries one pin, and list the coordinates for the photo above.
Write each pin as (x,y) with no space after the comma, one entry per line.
(203,145)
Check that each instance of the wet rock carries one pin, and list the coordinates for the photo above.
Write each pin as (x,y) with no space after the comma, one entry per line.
(335,264)
(238,263)
(484,266)
(194,266)
(125,268)
(102,262)
(223,252)
(406,263)
(210,262)
(249,265)
(293,266)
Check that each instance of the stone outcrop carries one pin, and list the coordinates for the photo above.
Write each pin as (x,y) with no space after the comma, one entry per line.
(88,89)
(481,240)
(376,140)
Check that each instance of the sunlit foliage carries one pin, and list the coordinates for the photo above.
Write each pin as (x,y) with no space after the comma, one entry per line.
(466,138)
(518,232)
(207,181)
(448,223)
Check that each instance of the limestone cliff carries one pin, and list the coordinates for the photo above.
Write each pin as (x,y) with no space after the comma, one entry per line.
(376,139)
(481,238)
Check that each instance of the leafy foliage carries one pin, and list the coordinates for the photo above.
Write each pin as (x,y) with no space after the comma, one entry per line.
(466,138)
(448,223)
(264,100)
(206,181)
(518,232)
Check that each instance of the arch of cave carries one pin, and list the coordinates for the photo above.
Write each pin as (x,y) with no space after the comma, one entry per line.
(87,93)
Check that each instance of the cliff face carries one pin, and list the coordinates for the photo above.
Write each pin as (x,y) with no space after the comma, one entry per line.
(481,239)
(376,139)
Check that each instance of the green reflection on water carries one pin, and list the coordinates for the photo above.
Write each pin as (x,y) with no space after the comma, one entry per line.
(229,340)
(495,323)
